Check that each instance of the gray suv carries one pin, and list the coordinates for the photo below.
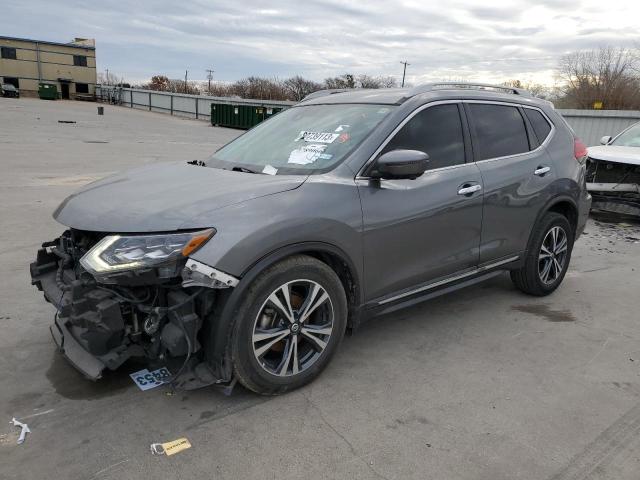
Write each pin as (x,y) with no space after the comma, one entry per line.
(252,264)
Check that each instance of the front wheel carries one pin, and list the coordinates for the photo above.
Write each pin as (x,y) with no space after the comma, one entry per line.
(289,325)
(548,256)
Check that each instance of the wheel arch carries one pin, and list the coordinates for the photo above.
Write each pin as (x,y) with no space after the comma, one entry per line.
(562,204)
(328,253)
(568,208)
(219,328)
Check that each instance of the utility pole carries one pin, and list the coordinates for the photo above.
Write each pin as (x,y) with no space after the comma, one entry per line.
(186,73)
(209,77)
(404,71)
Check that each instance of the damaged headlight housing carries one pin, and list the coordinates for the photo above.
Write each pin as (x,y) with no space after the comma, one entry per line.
(118,253)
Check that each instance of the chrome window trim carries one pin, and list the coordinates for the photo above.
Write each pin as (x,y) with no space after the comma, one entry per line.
(449,280)
(540,147)
(359,175)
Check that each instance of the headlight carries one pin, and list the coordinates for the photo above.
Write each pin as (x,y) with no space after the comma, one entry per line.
(116,253)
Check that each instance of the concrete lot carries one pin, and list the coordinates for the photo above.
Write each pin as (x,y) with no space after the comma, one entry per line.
(483,384)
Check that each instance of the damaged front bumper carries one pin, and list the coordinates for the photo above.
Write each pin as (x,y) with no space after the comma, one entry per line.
(142,315)
(614,186)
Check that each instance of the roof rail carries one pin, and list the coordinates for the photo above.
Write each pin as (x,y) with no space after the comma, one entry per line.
(428,87)
(323,93)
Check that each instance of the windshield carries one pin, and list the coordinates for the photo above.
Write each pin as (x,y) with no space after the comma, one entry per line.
(301,140)
(629,138)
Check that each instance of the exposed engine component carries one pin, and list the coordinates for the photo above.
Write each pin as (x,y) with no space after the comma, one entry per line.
(102,325)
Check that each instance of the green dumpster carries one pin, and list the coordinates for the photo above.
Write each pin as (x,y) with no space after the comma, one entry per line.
(48,91)
(241,115)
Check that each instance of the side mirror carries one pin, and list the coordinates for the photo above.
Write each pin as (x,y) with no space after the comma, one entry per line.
(605,140)
(400,164)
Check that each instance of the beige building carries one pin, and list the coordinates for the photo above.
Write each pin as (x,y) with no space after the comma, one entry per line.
(70,66)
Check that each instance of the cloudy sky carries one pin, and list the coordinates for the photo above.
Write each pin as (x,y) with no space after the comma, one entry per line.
(442,40)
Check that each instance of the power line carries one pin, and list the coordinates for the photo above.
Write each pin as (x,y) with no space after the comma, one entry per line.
(404,71)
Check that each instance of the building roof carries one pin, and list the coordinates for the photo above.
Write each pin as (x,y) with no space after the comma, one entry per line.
(45,42)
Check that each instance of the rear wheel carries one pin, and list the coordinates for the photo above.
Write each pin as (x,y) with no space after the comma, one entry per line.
(548,256)
(289,325)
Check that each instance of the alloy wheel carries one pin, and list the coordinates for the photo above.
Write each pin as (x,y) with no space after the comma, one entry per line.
(552,255)
(293,327)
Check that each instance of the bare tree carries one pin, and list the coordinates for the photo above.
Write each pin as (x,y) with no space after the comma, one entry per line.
(387,81)
(536,89)
(366,81)
(159,83)
(298,87)
(343,81)
(608,75)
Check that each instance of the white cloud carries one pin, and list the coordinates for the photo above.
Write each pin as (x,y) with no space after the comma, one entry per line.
(458,39)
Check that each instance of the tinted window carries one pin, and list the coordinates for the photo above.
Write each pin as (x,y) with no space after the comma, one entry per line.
(540,124)
(8,52)
(436,131)
(12,81)
(500,131)
(80,60)
(82,88)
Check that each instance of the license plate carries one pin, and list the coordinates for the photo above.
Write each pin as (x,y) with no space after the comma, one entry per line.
(146,380)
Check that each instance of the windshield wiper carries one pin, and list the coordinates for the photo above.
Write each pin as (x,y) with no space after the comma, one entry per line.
(198,163)
(244,170)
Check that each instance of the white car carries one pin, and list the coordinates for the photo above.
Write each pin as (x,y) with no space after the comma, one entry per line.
(613,172)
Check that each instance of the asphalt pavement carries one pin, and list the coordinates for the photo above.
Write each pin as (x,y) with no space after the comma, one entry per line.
(485,383)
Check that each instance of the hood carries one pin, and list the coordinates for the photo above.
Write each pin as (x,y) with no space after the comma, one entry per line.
(164,197)
(612,153)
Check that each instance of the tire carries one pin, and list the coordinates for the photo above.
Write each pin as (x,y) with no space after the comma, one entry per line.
(531,277)
(269,353)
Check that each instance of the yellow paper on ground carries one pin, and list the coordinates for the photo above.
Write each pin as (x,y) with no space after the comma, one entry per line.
(171,448)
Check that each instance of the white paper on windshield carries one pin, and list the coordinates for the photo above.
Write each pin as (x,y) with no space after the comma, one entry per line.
(306,155)
(269,170)
(317,137)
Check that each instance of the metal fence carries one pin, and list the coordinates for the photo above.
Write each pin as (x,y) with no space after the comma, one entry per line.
(592,125)
(179,104)
(589,125)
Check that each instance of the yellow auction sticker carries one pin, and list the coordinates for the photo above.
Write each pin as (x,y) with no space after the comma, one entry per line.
(170,448)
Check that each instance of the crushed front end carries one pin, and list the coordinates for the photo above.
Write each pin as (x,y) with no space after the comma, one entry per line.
(614,186)
(128,296)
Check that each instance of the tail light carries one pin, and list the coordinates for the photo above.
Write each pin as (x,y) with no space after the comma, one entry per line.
(579,150)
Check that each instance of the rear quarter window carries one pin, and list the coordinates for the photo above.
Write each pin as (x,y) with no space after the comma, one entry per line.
(499,130)
(539,123)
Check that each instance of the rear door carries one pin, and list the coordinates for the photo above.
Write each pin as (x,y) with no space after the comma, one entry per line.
(416,231)
(516,171)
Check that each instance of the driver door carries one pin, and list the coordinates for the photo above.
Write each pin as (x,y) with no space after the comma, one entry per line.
(423,230)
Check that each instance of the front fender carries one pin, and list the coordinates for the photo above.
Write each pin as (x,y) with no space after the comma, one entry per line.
(323,212)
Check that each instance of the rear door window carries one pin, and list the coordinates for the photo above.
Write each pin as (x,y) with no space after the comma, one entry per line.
(437,131)
(540,124)
(499,130)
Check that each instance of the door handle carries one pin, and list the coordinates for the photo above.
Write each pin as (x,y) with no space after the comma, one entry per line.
(540,171)
(469,189)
